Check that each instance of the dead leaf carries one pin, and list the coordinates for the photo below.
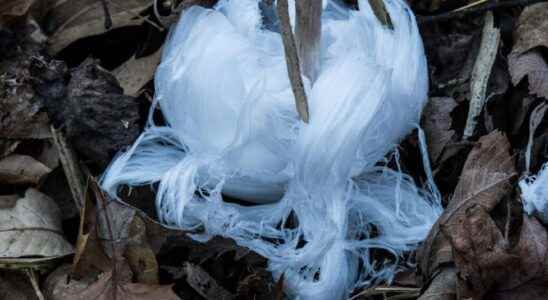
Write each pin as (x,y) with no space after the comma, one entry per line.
(104,288)
(484,180)
(204,284)
(528,279)
(101,241)
(525,59)
(532,65)
(259,285)
(481,252)
(49,156)
(140,256)
(436,121)
(442,287)
(7,146)
(113,220)
(21,110)
(32,228)
(20,115)
(70,20)
(136,72)
(14,8)
(531,30)
(21,169)
(14,285)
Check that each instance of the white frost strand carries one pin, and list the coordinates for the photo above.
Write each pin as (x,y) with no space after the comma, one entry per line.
(323,203)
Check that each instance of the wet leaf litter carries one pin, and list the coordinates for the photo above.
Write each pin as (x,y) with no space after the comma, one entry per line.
(76,90)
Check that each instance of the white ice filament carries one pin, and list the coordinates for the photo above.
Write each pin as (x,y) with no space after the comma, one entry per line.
(323,203)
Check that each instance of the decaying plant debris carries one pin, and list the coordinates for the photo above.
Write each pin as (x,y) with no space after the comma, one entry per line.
(75,88)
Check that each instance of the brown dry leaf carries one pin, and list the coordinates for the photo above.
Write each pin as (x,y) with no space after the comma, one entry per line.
(21,169)
(528,279)
(49,156)
(70,20)
(480,250)
(204,284)
(259,285)
(484,180)
(102,237)
(139,254)
(436,121)
(32,228)
(7,146)
(113,220)
(136,72)
(15,286)
(531,30)
(443,287)
(526,58)
(532,65)
(14,8)
(20,115)
(105,287)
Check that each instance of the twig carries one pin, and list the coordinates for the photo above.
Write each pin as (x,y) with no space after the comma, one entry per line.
(72,171)
(490,39)
(108,18)
(380,12)
(101,198)
(466,11)
(31,274)
(292,60)
(507,224)
(308,36)
(442,286)
(534,121)
(204,284)
(383,290)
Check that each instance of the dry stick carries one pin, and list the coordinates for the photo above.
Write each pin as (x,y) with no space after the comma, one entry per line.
(380,12)
(108,18)
(71,168)
(308,32)
(490,40)
(292,60)
(31,274)
(534,121)
(462,12)
(102,199)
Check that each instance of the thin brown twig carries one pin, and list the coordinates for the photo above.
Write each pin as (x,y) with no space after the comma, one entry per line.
(292,60)
(100,196)
(31,274)
(108,18)
(464,12)
(507,224)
